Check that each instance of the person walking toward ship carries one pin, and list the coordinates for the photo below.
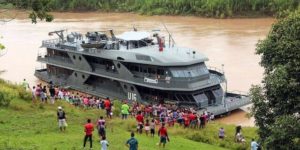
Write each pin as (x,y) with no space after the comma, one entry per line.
(52,93)
(101,127)
(61,117)
(132,143)
(163,134)
(88,129)
(107,106)
(44,94)
(125,110)
(33,92)
(104,143)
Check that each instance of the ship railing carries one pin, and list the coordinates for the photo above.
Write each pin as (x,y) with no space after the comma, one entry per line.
(215,69)
(240,93)
(50,42)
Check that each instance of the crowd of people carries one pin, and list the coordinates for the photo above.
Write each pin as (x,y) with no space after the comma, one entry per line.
(147,116)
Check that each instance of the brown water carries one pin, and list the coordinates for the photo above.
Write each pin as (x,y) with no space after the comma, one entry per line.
(224,41)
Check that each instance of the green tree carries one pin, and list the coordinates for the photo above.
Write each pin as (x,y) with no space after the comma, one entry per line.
(276,103)
(39,9)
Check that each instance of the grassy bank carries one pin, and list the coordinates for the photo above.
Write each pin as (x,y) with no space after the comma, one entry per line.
(33,126)
(205,8)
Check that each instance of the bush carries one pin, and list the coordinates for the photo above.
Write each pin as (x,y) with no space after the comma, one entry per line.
(23,94)
(6,95)
(117,107)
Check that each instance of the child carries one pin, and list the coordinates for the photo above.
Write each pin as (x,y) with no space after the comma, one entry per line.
(104,143)
(147,127)
(152,128)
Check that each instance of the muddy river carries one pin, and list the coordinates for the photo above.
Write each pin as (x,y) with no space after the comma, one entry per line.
(224,41)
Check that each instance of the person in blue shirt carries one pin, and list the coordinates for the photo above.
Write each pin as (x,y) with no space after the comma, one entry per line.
(132,143)
(254,145)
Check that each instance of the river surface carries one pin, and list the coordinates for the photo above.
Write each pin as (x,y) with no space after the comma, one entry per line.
(224,41)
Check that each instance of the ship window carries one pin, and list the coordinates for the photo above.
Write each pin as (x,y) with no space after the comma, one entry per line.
(83,76)
(80,58)
(119,66)
(74,57)
(125,87)
(137,68)
(75,74)
(132,89)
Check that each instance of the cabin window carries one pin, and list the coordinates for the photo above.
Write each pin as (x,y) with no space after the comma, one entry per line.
(137,68)
(75,74)
(74,57)
(119,66)
(125,87)
(132,89)
(83,77)
(80,58)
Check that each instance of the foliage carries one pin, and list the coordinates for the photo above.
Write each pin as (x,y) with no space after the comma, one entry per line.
(276,104)
(9,91)
(1,46)
(207,8)
(39,9)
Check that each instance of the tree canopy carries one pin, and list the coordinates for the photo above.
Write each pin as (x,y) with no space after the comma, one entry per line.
(276,103)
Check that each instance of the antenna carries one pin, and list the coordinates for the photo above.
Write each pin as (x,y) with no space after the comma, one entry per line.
(170,36)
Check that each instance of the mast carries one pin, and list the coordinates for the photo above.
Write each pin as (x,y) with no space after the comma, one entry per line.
(170,36)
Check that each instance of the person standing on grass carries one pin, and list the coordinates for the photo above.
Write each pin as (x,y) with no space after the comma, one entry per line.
(132,143)
(125,110)
(147,127)
(140,122)
(33,91)
(104,143)
(25,84)
(221,133)
(52,93)
(163,134)
(107,106)
(254,145)
(61,117)
(152,128)
(88,129)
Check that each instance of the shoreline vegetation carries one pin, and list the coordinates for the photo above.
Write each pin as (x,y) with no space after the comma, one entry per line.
(201,8)
(27,125)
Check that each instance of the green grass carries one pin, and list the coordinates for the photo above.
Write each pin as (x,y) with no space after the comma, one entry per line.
(34,126)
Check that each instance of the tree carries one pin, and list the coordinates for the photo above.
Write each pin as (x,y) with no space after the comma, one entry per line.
(39,9)
(276,103)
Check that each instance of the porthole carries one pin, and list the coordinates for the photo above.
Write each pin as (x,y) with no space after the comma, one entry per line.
(74,57)
(119,66)
(132,89)
(125,86)
(83,76)
(75,74)
(80,58)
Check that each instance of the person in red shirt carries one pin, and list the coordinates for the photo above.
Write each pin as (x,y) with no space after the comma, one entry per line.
(88,129)
(140,121)
(163,134)
(193,121)
(107,106)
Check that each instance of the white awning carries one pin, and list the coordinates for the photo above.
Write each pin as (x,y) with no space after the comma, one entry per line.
(133,35)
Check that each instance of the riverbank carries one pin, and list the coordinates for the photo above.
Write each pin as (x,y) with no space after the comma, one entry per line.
(203,8)
(30,125)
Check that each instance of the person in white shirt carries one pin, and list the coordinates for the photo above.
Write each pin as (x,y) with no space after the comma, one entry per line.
(104,143)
